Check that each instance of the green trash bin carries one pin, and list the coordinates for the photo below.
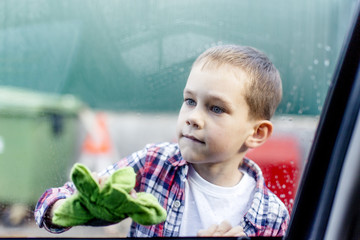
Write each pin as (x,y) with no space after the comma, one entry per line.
(38,142)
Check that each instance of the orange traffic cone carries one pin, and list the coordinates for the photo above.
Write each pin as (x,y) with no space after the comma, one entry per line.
(97,150)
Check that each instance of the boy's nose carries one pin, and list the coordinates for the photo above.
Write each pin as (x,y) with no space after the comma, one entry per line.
(195,120)
(192,123)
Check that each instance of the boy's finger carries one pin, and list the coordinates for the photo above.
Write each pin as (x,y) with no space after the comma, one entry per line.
(208,232)
(224,227)
(102,180)
(98,179)
(95,176)
(237,231)
(133,193)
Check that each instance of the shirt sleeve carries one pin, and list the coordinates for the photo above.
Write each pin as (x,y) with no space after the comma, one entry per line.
(48,198)
(283,227)
(277,221)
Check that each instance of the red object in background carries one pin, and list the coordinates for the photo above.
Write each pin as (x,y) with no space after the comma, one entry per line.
(280,161)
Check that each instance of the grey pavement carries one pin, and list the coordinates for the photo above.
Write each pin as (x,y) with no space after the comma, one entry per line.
(30,230)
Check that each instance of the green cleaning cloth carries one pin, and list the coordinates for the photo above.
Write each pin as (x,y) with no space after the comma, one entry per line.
(112,203)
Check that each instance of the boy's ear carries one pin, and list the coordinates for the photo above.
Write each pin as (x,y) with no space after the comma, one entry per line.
(262,131)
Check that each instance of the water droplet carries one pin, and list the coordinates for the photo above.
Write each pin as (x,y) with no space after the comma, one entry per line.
(326,62)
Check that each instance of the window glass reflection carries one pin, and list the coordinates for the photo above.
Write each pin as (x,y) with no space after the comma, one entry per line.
(130,61)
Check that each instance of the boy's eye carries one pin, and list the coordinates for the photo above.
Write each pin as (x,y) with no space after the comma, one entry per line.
(217,110)
(190,102)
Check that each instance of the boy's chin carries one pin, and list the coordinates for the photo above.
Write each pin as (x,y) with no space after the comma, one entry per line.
(190,156)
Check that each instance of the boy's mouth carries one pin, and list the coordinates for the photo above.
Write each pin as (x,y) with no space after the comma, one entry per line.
(192,138)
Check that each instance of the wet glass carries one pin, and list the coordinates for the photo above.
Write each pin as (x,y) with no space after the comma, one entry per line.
(92,81)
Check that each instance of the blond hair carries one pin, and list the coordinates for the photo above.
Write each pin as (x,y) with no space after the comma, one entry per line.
(263,92)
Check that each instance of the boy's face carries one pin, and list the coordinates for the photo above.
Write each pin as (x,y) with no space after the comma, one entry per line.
(213,122)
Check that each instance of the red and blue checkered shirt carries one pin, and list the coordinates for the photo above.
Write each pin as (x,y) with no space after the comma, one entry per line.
(162,171)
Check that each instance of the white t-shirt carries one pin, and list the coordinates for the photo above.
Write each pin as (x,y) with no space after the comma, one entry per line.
(207,204)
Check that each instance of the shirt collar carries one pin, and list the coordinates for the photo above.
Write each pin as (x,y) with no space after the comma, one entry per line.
(257,212)
(177,160)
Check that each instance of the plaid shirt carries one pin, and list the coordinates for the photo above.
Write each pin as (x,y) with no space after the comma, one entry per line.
(162,171)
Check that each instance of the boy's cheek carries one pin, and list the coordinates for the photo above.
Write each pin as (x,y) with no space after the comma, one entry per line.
(178,133)
(179,126)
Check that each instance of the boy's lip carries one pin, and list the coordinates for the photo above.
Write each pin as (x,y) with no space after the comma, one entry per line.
(192,138)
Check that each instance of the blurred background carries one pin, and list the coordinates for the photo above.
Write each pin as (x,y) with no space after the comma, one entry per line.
(93,81)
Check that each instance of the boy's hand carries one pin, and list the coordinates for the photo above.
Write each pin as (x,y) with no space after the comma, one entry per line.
(101,180)
(223,229)
(50,213)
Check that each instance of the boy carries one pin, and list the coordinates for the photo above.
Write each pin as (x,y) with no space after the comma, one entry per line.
(204,181)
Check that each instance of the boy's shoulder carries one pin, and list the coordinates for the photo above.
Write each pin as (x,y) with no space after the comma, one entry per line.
(266,205)
(165,151)
(162,148)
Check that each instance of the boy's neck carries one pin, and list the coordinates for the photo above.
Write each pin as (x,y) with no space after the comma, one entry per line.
(222,174)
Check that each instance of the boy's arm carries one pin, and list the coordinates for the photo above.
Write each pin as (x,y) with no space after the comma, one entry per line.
(50,214)
(283,226)
(46,203)
(50,201)
(51,196)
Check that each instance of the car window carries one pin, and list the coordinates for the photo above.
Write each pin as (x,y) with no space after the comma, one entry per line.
(91,82)
(326,201)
